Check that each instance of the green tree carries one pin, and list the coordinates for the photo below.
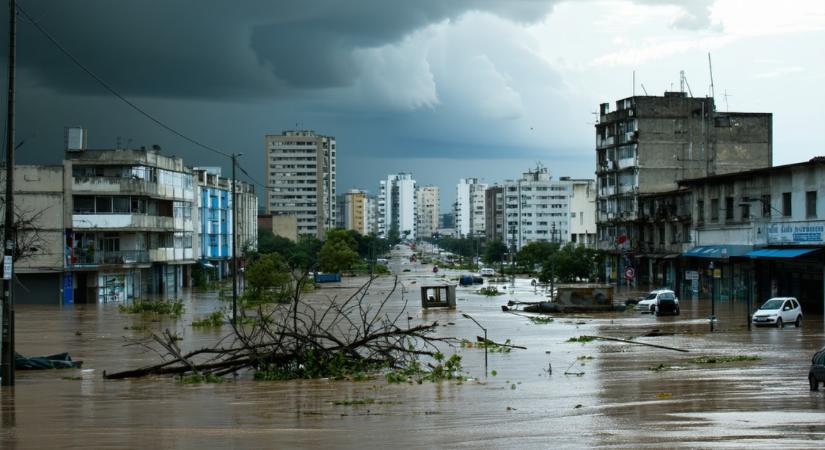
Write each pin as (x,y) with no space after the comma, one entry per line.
(268,276)
(535,253)
(336,256)
(494,251)
(571,263)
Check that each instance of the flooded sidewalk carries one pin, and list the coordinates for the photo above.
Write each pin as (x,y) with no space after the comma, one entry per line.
(553,394)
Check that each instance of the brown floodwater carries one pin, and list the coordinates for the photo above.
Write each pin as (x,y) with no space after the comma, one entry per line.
(598,394)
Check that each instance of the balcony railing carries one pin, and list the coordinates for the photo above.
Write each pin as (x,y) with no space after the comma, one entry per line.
(88,257)
(123,186)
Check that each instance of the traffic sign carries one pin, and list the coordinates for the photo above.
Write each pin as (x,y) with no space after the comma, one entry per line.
(629,273)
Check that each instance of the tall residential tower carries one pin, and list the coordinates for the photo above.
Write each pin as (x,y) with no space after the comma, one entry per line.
(300,176)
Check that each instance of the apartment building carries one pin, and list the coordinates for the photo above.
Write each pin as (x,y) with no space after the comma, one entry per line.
(494,214)
(647,144)
(583,212)
(469,207)
(427,204)
(129,224)
(300,177)
(215,224)
(396,206)
(356,211)
(538,208)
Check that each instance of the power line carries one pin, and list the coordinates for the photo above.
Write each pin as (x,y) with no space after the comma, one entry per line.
(112,90)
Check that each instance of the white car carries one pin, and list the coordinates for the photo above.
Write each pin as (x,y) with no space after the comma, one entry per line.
(487,272)
(779,311)
(651,302)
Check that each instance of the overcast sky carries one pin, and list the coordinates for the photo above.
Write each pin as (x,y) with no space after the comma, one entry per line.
(442,89)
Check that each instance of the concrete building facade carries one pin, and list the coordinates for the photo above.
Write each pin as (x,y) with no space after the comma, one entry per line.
(494,214)
(649,143)
(583,212)
(469,207)
(537,208)
(427,204)
(300,175)
(356,211)
(396,206)
(129,224)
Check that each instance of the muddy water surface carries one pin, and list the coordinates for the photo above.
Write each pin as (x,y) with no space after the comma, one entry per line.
(608,397)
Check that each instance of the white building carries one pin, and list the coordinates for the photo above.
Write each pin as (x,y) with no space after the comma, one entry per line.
(583,212)
(131,227)
(396,206)
(538,208)
(469,207)
(301,178)
(427,204)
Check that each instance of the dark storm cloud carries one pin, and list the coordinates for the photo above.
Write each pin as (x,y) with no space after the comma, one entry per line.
(223,49)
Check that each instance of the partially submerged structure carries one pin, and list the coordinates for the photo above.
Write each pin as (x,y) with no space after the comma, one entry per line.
(438,296)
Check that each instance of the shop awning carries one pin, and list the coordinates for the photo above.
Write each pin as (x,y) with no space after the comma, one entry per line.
(718,251)
(780,252)
(206,264)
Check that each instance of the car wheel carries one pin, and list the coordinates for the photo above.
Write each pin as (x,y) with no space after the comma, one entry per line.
(779,323)
(652,309)
(677,311)
(814,383)
(798,322)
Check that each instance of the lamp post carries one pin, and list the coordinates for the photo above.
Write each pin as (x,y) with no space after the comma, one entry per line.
(712,317)
(467,316)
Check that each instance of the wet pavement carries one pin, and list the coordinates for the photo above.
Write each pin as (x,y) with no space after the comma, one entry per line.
(608,398)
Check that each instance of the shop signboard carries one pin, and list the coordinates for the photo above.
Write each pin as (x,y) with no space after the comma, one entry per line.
(797,233)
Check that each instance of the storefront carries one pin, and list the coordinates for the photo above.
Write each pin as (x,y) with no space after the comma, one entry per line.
(721,271)
(790,272)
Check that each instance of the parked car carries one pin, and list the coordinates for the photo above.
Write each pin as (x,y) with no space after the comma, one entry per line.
(817,373)
(660,301)
(778,311)
(487,272)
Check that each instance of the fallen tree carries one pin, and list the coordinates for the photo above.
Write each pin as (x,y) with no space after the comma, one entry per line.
(320,337)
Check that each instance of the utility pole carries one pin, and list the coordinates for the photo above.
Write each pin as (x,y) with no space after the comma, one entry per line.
(7,319)
(234,240)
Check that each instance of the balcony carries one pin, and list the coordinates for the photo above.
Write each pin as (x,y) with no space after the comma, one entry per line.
(129,222)
(604,142)
(129,186)
(171,254)
(90,257)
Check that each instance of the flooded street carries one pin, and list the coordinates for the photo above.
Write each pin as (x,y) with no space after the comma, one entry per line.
(609,397)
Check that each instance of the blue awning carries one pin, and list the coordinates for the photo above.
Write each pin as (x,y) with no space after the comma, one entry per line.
(718,251)
(780,252)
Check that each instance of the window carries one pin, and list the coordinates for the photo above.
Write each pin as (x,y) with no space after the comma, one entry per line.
(103,204)
(714,210)
(120,205)
(84,205)
(786,204)
(746,211)
(766,206)
(810,204)
(700,211)
(728,208)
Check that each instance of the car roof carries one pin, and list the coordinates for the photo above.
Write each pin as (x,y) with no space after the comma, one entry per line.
(659,291)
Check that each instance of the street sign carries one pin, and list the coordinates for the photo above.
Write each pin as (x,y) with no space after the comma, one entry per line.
(7,267)
(629,273)
(717,273)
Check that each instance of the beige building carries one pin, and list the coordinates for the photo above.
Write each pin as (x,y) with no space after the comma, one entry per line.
(38,202)
(356,211)
(300,174)
(427,204)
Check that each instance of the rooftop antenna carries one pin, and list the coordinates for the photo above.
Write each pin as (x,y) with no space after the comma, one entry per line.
(710,68)
(643,88)
(682,81)
(727,107)
(688,85)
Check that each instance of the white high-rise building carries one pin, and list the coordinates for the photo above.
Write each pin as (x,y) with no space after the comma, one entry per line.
(300,173)
(427,204)
(469,207)
(538,208)
(396,206)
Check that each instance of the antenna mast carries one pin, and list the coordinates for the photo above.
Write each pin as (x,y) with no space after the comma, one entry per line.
(710,68)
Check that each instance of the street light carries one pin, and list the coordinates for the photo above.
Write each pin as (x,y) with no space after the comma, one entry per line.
(467,316)
(712,317)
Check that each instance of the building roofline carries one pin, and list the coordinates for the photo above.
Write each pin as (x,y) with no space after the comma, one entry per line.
(815,161)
